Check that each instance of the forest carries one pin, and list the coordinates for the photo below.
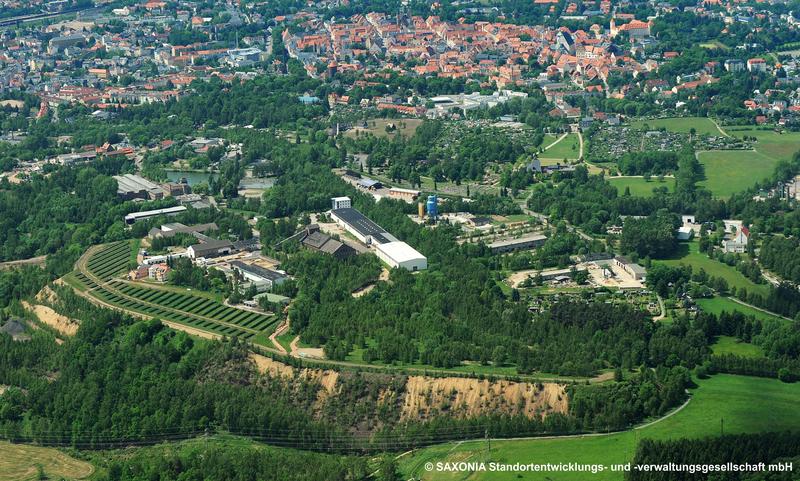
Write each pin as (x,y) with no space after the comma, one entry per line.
(782,256)
(737,448)
(120,381)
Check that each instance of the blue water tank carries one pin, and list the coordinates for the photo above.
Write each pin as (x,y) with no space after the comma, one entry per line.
(432,206)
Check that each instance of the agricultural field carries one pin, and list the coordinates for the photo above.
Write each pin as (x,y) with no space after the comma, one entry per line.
(717,305)
(737,404)
(731,171)
(639,187)
(689,255)
(198,312)
(568,148)
(21,462)
(683,125)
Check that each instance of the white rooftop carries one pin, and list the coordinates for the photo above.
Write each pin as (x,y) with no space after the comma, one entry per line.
(399,251)
(149,213)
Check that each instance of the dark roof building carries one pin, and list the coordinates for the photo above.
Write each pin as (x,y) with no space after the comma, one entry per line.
(259,274)
(361,226)
(210,248)
(312,238)
(327,245)
(174,228)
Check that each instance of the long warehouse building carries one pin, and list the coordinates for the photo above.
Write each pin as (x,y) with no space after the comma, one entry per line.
(388,248)
(400,254)
(147,214)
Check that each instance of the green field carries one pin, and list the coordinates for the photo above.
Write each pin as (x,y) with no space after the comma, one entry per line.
(568,148)
(740,404)
(715,44)
(731,171)
(717,305)
(731,345)
(684,125)
(201,312)
(377,127)
(640,187)
(689,255)
(21,462)
(770,143)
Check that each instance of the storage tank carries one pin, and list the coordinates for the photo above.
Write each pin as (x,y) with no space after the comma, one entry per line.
(421,210)
(433,208)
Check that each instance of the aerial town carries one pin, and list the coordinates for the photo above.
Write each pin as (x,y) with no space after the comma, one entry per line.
(399,240)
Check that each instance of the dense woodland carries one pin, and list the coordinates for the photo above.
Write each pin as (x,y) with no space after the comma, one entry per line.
(121,381)
(739,448)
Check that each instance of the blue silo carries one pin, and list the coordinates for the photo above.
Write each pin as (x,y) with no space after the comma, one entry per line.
(432,206)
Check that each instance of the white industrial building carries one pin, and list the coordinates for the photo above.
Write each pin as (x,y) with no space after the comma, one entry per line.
(388,248)
(341,203)
(169,211)
(400,254)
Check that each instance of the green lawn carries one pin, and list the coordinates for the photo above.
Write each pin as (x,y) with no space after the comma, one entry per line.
(714,44)
(770,143)
(718,304)
(740,404)
(568,148)
(640,187)
(690,255)
(731,345)
(701,125)
(285,340)
(731,171)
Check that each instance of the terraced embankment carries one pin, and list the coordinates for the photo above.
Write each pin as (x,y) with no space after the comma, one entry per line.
(99,272)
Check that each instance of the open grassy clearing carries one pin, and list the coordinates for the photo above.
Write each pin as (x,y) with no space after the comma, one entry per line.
(717,305)
(200,312)
(639,187)
(20,462)
(731,171)
(568,148)
(731,345)
(714,44)
(689,254)
(779,146)
(745,404)
(702,125)
(377,127)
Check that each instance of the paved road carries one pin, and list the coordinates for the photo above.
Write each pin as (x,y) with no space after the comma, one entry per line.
(33,261)
(556,141)
(726,134)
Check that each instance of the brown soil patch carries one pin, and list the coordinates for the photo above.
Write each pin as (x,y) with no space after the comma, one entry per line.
(466,397)
(47,315)
(327,378)
(425,397)
(190,330)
